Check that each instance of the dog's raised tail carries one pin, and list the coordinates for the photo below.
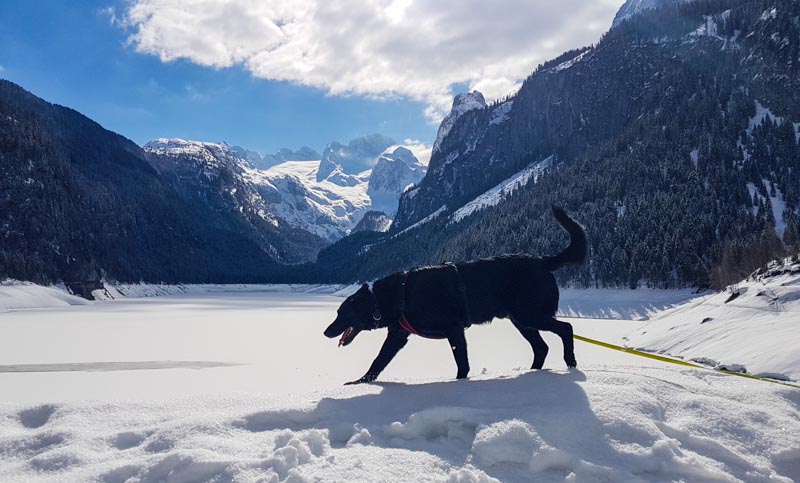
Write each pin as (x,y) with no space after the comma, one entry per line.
(575,253)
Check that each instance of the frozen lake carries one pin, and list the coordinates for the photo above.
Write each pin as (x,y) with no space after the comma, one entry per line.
(242,386)
(225,343)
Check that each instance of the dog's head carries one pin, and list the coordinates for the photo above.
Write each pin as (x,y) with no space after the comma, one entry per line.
(358,312)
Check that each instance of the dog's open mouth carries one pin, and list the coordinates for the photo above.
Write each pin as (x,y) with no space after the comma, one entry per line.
(348,336)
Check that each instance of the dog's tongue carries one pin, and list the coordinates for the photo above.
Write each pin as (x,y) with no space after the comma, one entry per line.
(343,340)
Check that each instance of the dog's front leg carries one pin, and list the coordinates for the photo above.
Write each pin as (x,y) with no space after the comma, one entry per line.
(395,340)
(458,343)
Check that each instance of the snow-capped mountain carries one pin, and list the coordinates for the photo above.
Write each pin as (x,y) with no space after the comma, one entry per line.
(331,207)
(210,156)
(462,104)
(291,193)
(357,156)
(635,7)
(325,208)
(394,172)
(281,156)
(216,176)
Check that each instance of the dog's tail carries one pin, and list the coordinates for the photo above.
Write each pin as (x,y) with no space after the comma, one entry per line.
(576,251)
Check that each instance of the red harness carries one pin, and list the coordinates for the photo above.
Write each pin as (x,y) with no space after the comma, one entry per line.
(406,325)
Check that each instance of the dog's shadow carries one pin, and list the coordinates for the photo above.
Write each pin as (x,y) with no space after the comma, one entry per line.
(443,418)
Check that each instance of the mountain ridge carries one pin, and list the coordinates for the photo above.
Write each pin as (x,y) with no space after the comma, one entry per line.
(647,126)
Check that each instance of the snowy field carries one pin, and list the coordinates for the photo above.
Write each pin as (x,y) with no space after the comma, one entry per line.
(210,385)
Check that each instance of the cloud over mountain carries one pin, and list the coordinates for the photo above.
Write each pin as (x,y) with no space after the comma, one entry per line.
(419,49)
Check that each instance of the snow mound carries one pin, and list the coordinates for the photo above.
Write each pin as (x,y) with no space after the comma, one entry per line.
(752,326)
(658,424)
(16,295)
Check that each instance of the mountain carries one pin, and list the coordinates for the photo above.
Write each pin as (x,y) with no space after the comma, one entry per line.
(326,208)
(358,155)
(674,140)
(373,221)
(635,7)
(253,158)
(332,207)
(216,177)
(288,195)
(80,203)
(462,104)
(392,174)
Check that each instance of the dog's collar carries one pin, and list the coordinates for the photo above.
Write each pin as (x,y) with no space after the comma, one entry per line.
(377,315)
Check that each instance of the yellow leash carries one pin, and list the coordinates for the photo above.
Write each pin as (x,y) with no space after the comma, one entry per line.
(678,362)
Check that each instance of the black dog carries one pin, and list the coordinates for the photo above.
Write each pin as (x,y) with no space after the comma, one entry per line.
(440,302)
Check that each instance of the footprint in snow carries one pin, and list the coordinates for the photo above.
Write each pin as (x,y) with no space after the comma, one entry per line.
(128,439)
(36,417)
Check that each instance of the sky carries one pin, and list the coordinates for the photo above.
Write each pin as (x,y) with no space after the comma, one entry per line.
(266,74)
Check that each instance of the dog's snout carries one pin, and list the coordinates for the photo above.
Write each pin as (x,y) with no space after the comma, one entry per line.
(333,330)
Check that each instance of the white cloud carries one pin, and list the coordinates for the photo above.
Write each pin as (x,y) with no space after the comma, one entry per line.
(417,49)
(421,150)
(111,13)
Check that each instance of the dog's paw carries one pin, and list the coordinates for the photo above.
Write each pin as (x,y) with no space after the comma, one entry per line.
(364,380)
(571,362)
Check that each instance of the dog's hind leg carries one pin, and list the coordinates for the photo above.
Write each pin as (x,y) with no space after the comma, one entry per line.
(538,345)
(563,330)
(458,343)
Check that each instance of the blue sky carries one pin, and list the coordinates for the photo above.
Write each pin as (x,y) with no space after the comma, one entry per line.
(279,73)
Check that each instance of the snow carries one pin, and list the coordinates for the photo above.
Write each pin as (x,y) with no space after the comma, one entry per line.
(620,304)
(495,195)
(778,207)
(293,192)
(500,114)
(635,7)
(462,103)
(396,170)
(758,329)
(753,190)
(268,405)
(707,29)
(762,113)
(16,295)
(695,156)
(566,65)
(421,222)
(325,208)
(777,204)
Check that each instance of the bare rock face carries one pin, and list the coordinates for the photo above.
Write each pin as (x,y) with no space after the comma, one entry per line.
(357,156)
(393,174)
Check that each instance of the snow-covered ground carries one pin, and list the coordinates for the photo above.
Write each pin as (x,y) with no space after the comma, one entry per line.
(25,295)
(240,385)
(757,330)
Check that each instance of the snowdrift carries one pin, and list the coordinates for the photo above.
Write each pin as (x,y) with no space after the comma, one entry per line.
(600,424)
(25,295)
(752,327)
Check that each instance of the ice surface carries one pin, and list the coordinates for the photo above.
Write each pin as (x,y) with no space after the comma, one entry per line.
(279,412)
